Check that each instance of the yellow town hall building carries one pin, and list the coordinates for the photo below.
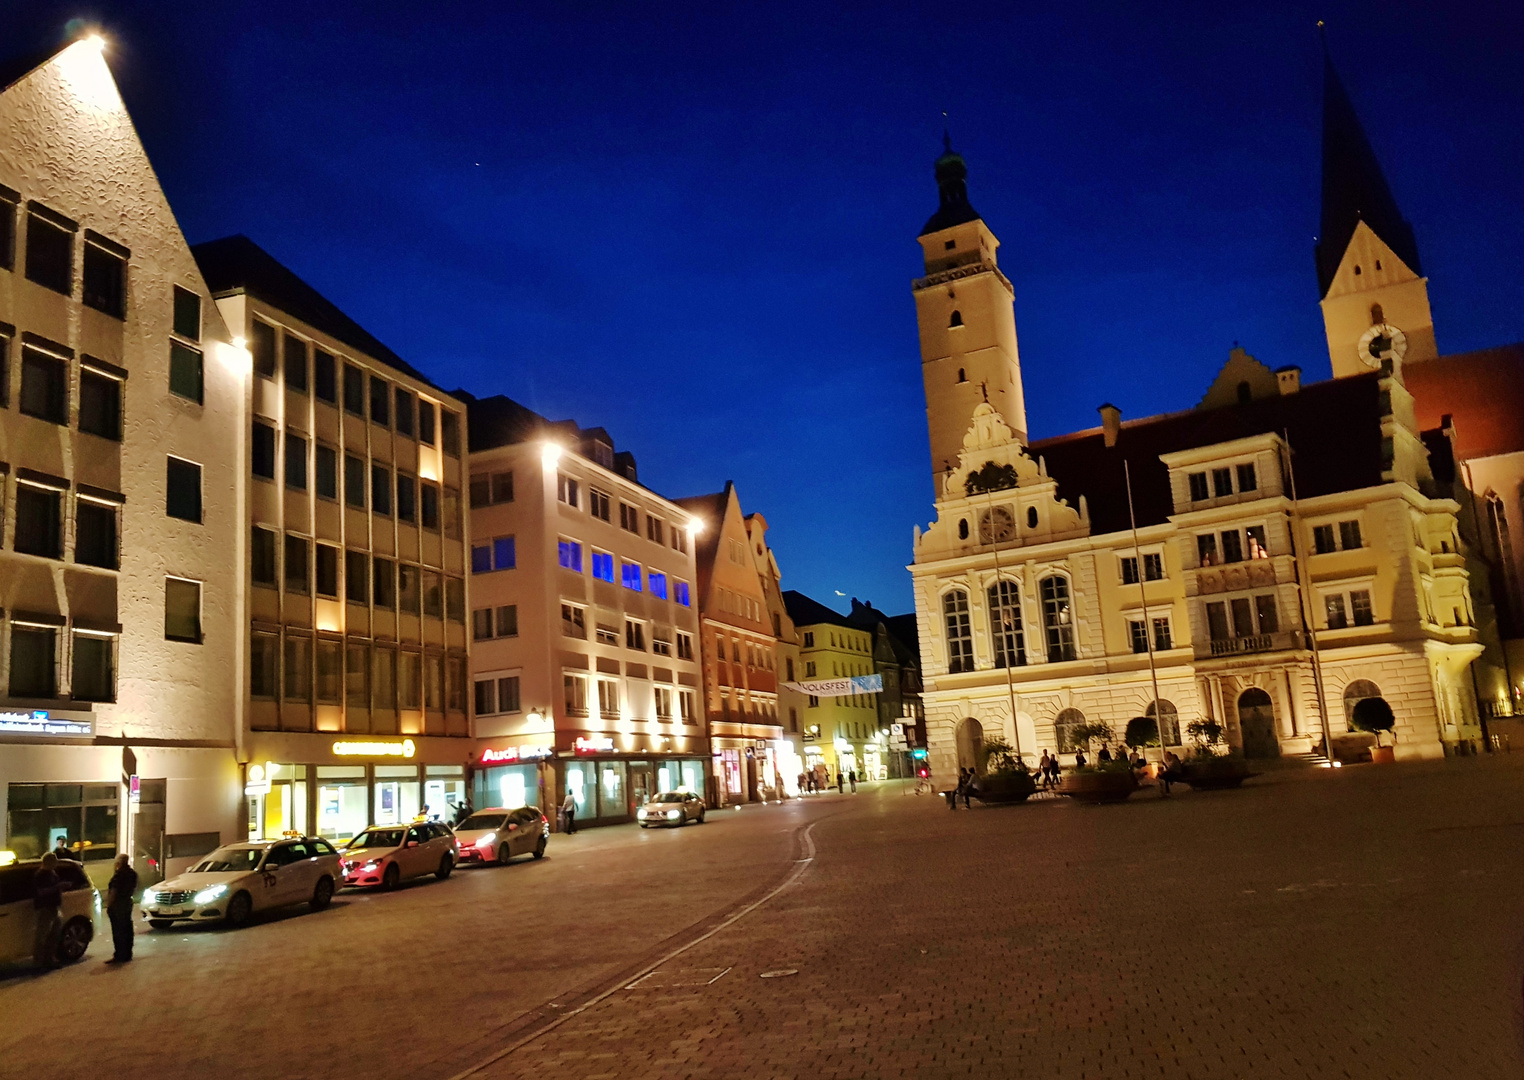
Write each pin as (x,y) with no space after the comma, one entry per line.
(1268,559)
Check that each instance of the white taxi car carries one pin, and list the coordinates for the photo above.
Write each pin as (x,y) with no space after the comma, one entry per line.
(234,882)
(18,916)
(385,855)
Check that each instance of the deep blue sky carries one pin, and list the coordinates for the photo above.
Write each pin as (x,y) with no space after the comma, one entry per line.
(695,225)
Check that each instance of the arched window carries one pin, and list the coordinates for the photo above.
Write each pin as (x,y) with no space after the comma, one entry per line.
(1057,618)
(1164,713)
(963,529)
(1356,692)
(961,377)
(1063,729)
(969,737)
(960,635)
(1005,624)
(1031,517)
(956,320)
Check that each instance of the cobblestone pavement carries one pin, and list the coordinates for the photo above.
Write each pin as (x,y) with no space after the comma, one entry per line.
(1364,923)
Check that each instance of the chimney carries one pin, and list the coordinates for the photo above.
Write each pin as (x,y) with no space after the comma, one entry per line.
(1290,379)
(1111,422)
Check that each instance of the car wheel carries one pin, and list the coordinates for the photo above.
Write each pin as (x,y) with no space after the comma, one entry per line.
(323,894)
(701,817)
(504,854)
(161,924)
(239,910)
(539,849)
(74,939)
(391,877)
(446,864)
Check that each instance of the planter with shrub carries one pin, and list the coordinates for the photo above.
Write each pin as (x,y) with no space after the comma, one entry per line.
(1208,768)
(1374,715)
(1002,778)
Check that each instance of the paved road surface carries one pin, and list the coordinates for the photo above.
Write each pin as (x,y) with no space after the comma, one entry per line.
(1368,923)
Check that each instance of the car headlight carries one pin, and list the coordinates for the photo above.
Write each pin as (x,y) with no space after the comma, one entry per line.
(206,896)
(149,896)
(674,813)
(368,867)
(641,812)
(488,840)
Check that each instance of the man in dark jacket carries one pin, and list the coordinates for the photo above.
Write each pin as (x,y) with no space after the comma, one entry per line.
(47,901)
(119,892)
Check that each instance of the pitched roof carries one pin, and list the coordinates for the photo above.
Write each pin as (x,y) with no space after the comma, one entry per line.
(14,70)
(807,612)
(1483,394)
(1334,429)
(1354,188)
(711,510)
(236,264)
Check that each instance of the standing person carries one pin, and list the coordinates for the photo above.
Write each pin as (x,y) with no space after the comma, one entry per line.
(61,849)
(124,882)
(569,811)
(1103,756)
(841,785)
(968,788)
(1079,759)
(47,900)
(852,776)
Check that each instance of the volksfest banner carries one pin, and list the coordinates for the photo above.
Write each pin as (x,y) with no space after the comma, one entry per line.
(853,684)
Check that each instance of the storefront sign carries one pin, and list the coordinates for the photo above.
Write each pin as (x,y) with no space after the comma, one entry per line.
(258,782)
(43,722)
(507,755)
(601,744)
(374,748)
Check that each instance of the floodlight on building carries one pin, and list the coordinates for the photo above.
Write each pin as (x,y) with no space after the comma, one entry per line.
(94,41)
(550,454)
(695,527)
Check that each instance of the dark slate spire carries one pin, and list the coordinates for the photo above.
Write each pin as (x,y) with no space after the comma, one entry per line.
(1354,189)
(952,183)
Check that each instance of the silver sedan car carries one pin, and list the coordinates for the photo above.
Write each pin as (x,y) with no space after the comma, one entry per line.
(671,808)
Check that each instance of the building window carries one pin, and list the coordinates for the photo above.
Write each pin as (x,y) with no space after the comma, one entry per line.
(354,390)
(325,380)
(328,671)
(9,198)
(1247,481)
(663,696)
(34,662)
(1167,717)
(404,409)
(809,637)
(356,577)
(658,584)
(95,534)
(1206,549)
(357,682)
(262,557)
(449,429)
(380,490)
(684,646)
(428,505)
(298,668)
(1153,566)
(661,641)
(654,527)
(1323,539)
(1232,547)
(50,249)
(573,621)
(481,624)
(567,490)
(508,694)
(629,575)
(680,592)
(1222,482)
(1005,624)
(383,579)
(507,620)
(185,372)
(1217,621)
(1254,536)
(1163,641)
(680,540)
(1199,489)
(94,675)
(603,566)
(100,404)
(433,601)
(575,689)
(296,363)
(263,457)
(425,422)
(598,504)
(183,490)
(1361,613)
(182,610)
(1264,608)
(354,481)
(326,564)
(1057,618)
(960,635)
(1349,535)
(407,489)
(606,634)
(326,459)
(298,575)
(1338,616)
(105,276)
(187,314)
(686,707)
(44,386)
(296,462)
(634,635)
(569,555)
(608,699)
(39,521)
(7,332)
(380,402)
(629,517)
(262,343)
(485,694)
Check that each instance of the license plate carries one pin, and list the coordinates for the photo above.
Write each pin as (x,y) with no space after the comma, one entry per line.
(170,911)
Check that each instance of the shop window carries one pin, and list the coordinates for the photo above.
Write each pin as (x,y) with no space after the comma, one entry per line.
(50,249)
(34,662)
(383,579)
(44,386)
(298,550)
(404,411)
(183,490)
(398,798)
(342,810)
(182,610)
(95,534)
(100,405)
(262,557)
(83,816)
(39,521)
(296,363)
(381,489)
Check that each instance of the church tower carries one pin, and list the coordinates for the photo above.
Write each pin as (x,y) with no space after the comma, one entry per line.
(1375,298)
(964,306)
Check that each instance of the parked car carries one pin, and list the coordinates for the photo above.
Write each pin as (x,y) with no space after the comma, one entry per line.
(234,882)
(671,808)
(497,834)
(386,855)
(18,918)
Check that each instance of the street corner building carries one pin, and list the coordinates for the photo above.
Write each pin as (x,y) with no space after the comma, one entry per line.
(1277,559)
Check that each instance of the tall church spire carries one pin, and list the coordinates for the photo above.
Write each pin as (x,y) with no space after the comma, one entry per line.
(1354,189)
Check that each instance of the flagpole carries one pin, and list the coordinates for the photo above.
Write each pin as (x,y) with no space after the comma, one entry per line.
(1309,625)
(1148,626)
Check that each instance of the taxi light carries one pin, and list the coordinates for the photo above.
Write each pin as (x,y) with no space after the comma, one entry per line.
(7,857)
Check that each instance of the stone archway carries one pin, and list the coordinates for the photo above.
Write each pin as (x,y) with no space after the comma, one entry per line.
(970,739)
(1357,691)
(1256,724)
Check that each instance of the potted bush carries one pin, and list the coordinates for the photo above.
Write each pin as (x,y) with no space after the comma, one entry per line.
(1142,731)
(1375,716)
(1098,782)
(1002,777)
(1208,768)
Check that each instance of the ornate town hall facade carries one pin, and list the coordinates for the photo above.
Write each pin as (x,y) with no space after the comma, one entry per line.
(1268,559)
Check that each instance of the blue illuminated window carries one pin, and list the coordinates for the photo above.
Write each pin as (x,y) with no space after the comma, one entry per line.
(502,553)
(481,559)
(658,583)
(631,574)
(680,592)
(569,554)
(603,566)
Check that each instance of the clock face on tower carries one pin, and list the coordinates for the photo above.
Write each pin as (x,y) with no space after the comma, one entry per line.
(1381,343)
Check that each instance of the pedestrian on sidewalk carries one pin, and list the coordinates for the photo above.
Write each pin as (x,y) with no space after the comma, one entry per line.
(569,812)
(852,776)
(803,783)
(968,788)
(1079,759)
(47,901)
(61,850)
(119,892)
(1043,766)
(1104,757)
(840,784)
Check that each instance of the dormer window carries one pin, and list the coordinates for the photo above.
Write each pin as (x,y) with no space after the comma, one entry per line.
(956,320)
(603,453)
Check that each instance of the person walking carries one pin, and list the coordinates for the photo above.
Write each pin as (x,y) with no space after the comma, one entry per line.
(841,782)
(119,892)
(852,777)
(569,811)
(47,900)
(968,788)
(1043,764)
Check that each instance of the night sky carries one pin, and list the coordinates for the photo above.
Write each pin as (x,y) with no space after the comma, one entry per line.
(695,225)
